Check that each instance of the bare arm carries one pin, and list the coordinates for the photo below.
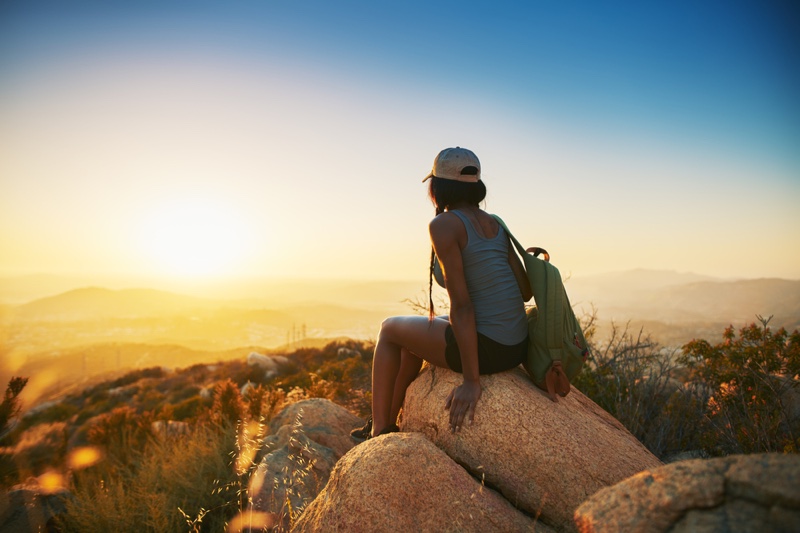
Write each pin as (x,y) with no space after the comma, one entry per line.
(445,231)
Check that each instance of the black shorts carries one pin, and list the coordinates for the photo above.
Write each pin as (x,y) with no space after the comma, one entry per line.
(493,356)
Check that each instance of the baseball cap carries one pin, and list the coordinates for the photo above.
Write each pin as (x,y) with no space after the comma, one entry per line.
(457,164)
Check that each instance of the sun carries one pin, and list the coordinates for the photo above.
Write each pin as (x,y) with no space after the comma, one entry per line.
(194,238)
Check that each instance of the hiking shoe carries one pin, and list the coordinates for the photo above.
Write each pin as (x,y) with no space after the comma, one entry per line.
(363,433)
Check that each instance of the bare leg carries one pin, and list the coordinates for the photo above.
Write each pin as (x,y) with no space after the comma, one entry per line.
(409,369)
(417,335)
(385,366)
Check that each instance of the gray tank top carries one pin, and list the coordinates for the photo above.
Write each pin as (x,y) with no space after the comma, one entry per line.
(493,289)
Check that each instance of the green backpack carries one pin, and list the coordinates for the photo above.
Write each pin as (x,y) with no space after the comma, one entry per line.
(557,348)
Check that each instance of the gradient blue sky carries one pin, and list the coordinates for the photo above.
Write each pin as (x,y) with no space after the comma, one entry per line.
(289,138)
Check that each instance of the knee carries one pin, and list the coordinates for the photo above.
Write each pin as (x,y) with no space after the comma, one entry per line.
(388,328)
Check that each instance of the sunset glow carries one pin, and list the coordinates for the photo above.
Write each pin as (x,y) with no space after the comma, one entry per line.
(194,238)
(251,140)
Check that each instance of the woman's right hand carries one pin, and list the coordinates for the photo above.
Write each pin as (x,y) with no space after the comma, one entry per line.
(461,402)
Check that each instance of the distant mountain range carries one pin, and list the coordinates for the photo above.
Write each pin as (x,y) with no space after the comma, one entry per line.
(679,306)
(98,303)
(19,290)
(86,316)
(638,279)
(681,298)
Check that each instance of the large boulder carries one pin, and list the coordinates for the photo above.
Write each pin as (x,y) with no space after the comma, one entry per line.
(305,440)
(403,482)
(322,421)
(739,493)
(544,457)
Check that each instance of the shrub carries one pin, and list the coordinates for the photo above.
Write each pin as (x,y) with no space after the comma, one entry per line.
(185,392)
(98,404)
(753,381)
(632,377)
(10,406)
(149,399)
(264,402)
(123,434)
(190,408)
(9,472)
(240,373)
(136,375)
(60,412)
(228,408)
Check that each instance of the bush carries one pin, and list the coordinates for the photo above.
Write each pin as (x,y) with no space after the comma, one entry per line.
(60,412)
(123,434)
(632,377)
(264,402)
(228,409)
(10,406)
(9,471)
(190,408)
(136,375)
(753,383)
(739,396)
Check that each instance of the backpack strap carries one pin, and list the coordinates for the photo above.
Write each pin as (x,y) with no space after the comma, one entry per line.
(517,245)
(553,308)
(535,251)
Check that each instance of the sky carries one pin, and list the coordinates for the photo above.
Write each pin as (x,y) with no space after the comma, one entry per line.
(275,139)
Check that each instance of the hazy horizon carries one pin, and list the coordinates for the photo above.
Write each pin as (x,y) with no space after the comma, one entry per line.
(22,288)
(50,326)
(50,284)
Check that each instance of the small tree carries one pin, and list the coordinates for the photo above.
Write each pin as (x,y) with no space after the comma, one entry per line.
(754,386)
(11,405)
(228,408)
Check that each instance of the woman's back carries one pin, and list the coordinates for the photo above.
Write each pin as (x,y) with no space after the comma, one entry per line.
(493,289)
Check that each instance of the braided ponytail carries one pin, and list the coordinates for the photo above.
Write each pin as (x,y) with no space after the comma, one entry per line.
(430,286)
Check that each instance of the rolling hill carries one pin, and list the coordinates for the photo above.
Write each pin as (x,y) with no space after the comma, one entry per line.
(99,303)
(678,307)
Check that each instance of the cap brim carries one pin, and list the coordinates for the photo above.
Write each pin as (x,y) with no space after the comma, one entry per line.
(462,179)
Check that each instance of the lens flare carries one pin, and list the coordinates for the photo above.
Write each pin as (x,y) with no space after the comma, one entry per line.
(84,457)
(252,520)
(51,482)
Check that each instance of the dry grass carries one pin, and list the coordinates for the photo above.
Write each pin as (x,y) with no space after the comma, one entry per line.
(174,473)
(205,480)
(200,480)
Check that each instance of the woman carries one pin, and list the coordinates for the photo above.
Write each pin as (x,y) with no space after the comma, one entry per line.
(486,331)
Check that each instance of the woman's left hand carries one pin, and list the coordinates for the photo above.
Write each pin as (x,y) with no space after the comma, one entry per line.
(461,402)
